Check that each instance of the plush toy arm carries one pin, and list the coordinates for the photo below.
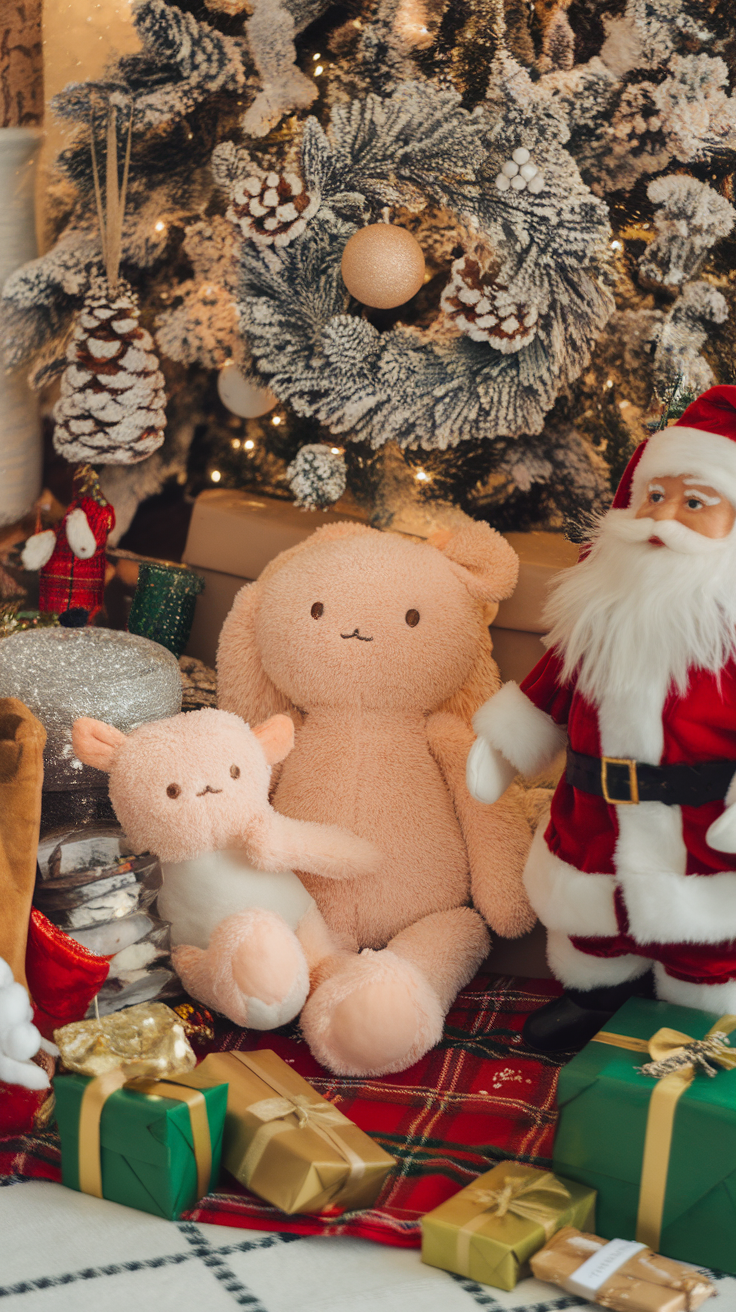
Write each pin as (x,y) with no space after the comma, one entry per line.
(276,842)
(513,725)
(38,550)
(497,837)
(722,833)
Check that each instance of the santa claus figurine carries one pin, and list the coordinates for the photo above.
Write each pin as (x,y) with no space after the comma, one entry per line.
(636,870)
(71,558)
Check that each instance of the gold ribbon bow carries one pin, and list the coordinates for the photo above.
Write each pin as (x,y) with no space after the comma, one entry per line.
(315,1113)
(675,1059)
(133,1076)
(539,1198)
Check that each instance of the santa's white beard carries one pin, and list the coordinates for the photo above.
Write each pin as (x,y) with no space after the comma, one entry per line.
(633,616)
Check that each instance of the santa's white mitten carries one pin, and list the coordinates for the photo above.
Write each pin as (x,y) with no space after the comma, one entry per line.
(79,535)
(19,1038)
(487,772)
(38,550)
(722,833)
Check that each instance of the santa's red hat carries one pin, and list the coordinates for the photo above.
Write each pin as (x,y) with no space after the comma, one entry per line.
(702,443)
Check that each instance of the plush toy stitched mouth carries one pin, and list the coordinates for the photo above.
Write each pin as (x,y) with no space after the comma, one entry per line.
(209,790)
(357,635)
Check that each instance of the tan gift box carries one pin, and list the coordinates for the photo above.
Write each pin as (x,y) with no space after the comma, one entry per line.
(287,1144)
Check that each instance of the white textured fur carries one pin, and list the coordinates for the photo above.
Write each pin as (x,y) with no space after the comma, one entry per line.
(198,894)
(566,899)
(38,549)
(665,906)
(79,535)
(680,450)
(527,737)
(720,999)
(19,1038)
(579,970)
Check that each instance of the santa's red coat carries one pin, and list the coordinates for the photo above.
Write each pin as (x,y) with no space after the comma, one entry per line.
(65,580)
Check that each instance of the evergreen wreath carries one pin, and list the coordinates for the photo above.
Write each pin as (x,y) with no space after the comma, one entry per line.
(534,266)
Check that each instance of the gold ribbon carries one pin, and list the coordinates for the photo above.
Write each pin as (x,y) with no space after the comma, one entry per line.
(675,1059)
(522,1196)
(131,1076)
(315,1113)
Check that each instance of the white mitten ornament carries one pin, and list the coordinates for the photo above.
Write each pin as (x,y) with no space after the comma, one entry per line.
(722,833)
(19,1038)
(487,772)
(38,550)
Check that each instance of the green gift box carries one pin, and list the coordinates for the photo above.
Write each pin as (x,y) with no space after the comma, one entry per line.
(605,1101)
(146,1145)
(489,1230)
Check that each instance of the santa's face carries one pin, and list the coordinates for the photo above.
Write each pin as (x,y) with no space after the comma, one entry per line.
(690,502)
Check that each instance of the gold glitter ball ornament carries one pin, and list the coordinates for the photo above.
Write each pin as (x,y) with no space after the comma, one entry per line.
(149,1035)
(383,266)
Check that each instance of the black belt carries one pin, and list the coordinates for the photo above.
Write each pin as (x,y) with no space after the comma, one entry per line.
(626,782)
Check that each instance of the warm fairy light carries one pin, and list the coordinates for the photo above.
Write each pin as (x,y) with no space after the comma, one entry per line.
(215,475)
(316,58)
(276,420)
(609,382)
(160,225)
(615,245)
(336,450)
(421,476)
(235,444)
(249,445)
(319,69)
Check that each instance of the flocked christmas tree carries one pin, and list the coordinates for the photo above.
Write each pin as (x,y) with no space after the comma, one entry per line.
(565,168)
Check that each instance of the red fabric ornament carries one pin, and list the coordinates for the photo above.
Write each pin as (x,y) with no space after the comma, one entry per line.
(67,581)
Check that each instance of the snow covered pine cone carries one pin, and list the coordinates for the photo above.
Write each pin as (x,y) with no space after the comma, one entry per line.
(111,409)
(317,476)
(272,209)
(484,310)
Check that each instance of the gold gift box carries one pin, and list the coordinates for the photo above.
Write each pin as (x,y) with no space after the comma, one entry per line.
(489,1230)
(287,1144)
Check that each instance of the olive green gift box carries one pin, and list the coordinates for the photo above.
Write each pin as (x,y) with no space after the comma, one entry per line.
(497,1250)
(146,1147)
(604,1103)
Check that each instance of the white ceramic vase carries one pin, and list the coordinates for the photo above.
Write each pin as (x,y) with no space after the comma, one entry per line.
(20,427)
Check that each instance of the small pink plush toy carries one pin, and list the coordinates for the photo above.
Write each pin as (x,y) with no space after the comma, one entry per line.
(194,790)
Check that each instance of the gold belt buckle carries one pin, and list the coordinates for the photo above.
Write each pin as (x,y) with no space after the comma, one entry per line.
(633,798)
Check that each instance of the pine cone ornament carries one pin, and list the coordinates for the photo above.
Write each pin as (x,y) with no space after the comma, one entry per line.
(484,309)
(272,209)
(111,409)
(317,476)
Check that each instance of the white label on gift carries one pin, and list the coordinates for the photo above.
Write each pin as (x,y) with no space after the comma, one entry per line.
(589,1277)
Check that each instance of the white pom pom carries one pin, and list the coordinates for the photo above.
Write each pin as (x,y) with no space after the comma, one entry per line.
(537,184)
(502,182)
(528,171)
(510,169)
(38,550)
(520,155)
(518,183)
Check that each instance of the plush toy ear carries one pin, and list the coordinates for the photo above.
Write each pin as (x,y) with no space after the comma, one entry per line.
(96,743)
(276,737)
(481,558)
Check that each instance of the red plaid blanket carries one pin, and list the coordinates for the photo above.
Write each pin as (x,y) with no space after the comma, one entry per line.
(478,1098)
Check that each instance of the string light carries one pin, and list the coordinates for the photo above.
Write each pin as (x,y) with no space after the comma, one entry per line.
(160,225)
(421,476)
(316,58)
(215,475)
(615,245)
(609,382)
(319,69)
(235,444)
(249,445)
(276,420)
(336,450)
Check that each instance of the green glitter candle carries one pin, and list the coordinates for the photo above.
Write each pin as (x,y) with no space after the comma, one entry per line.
(163,605)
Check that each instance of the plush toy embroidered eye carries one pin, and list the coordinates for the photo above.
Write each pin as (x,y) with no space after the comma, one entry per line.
(317,610)
(412,618)
(235,771)
(173,790)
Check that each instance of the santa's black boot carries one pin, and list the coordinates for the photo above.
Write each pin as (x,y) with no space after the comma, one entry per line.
(571,1020)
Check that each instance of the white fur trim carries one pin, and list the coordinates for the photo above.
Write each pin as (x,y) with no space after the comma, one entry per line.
(38,550)
(679,450)
(580,970)
(720,999)
(667,907)
(79,535)
(527,737)
(731,794)
(566,899)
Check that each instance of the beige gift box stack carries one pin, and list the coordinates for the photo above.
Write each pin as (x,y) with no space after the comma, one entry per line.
(233,535)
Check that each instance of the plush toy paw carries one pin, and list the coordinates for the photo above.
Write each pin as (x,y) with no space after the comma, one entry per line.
(722,833)
(253,971)
(19,1038)
(487,773)
(377,1015)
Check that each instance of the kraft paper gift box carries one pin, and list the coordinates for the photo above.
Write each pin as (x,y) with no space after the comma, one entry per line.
(489,1230)
(145,1144)
(659,1149)
(287,1144)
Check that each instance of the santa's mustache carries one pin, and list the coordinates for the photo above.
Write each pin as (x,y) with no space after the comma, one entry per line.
(670,532)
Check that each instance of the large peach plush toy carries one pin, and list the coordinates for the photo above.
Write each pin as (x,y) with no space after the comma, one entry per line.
(194,790)
(378,647)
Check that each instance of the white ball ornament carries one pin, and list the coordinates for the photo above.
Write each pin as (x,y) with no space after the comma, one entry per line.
(510,169)
(242,397)
(518,183)
(383,266)
(528,171)
(537,184)
(502,182)
(521,155)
